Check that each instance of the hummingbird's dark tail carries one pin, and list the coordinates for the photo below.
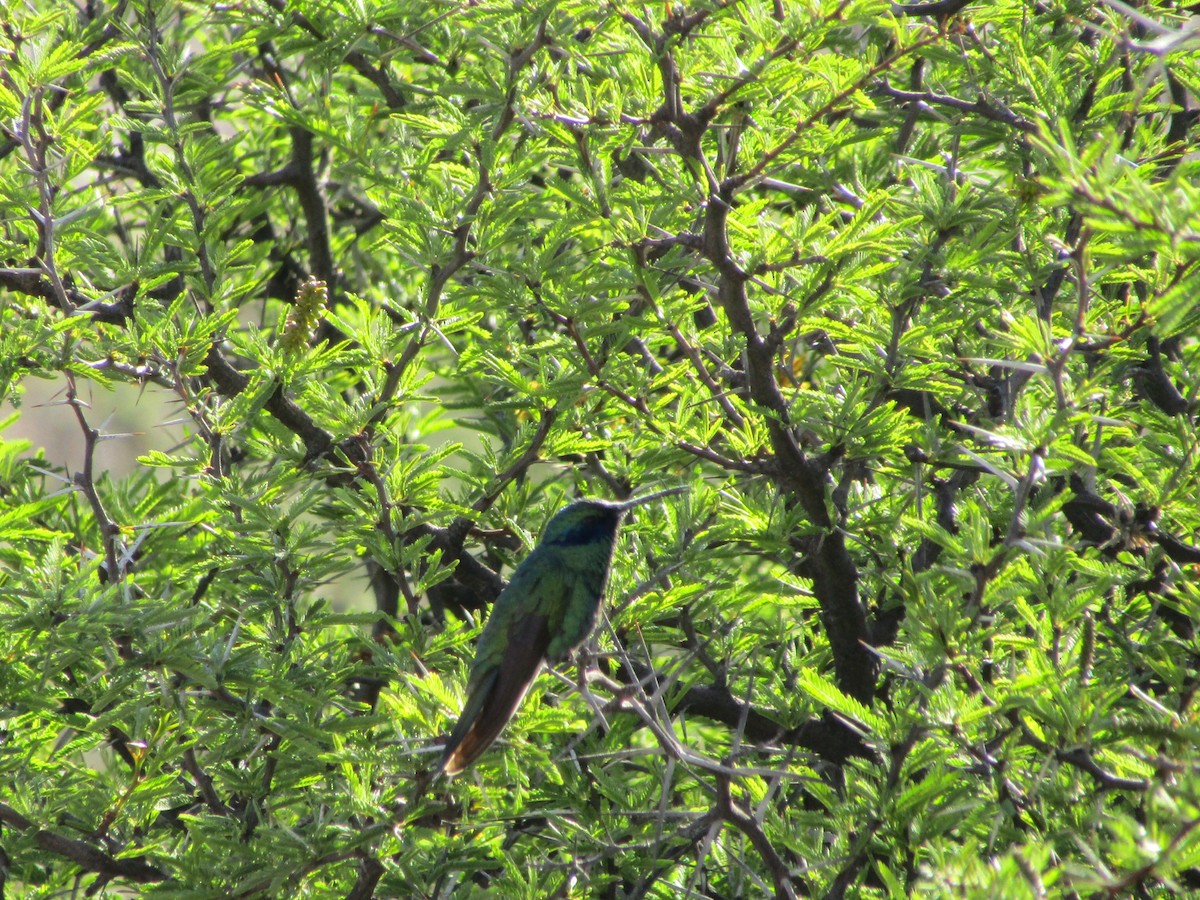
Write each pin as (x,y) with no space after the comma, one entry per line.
(492,701)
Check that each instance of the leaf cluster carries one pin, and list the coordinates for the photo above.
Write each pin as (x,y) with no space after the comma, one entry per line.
(902,293)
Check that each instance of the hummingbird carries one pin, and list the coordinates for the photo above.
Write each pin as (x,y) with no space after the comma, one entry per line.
(547,610)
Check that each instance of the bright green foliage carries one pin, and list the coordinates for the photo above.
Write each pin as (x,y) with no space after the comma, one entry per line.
(905,295)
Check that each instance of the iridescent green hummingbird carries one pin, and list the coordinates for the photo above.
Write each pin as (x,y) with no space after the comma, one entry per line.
(547,610)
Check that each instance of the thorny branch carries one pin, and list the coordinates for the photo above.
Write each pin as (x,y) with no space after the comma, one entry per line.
(115,563)
(36,142)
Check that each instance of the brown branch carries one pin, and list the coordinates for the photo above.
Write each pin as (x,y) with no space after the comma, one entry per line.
(318,443)
(981,106)
(519,465)
(1124,886)
(666,855)
(861,854)
(316,212)
(110,532)
(377,75)
(824,110)
(420,54)
(387,586)
(1082,759)
(203,783)
(440,276)
(33,282)
(168,84)
(370,870)
(824,559)
(108,33)
(938,9)
(639,405)
(301,174)
(729,812)
(31,132)
(718,393)
(828,736)
(83,854)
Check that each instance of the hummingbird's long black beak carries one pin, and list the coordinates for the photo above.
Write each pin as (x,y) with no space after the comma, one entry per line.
(627,505)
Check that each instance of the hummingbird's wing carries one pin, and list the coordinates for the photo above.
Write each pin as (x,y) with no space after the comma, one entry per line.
(511,650)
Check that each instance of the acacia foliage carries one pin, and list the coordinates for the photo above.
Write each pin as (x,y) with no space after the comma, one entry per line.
(903,293)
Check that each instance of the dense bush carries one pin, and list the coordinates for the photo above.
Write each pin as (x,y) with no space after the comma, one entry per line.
(903,294)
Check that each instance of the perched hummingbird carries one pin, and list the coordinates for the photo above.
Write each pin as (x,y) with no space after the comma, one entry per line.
(547,610)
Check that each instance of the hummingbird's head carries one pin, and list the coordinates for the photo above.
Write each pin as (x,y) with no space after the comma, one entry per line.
(584,522)
(588,521)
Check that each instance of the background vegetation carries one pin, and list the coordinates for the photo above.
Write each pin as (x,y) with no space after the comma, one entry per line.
(903,293)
